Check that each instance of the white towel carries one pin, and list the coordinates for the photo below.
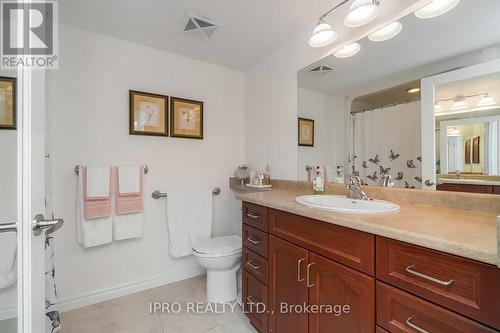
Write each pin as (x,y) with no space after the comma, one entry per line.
(129,180)
(98,182)
(8,259)
(189,217)
(91,232)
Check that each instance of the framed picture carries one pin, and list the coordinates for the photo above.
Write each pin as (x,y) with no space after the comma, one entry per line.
(186,118)
(467,148)
(306,132)
(148,114)
(8,113)
(475,150)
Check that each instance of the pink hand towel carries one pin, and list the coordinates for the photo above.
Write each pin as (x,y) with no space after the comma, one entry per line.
(96,207)
(129,203)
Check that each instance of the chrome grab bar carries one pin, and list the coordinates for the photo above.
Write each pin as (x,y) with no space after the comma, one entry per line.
(309,284)
(158,194)
(79,167)
(249,263)
(299,266)
(410,270)
(8,227)
(253,216)
(415,327)
(253,241)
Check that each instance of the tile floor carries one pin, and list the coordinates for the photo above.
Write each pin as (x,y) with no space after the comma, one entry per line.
(131,314)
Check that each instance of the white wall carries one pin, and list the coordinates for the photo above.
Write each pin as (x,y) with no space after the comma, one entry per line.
(87,102)
(329,116)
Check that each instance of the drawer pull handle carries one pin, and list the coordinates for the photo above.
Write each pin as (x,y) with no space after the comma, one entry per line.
(415,327)
(309,284)
(253,241)
(249,263)
(299,264)
(253,216)
(410,270)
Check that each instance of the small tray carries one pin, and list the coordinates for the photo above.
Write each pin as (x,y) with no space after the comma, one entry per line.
(257,186)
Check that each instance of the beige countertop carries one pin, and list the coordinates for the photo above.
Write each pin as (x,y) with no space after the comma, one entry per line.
(467,234)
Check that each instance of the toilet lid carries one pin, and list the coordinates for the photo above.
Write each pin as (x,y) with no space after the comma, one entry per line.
(219,245)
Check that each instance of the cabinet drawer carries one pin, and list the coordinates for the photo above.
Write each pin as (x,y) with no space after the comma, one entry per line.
(462,285)
(256,240)
(379,329)
(496,190)
(466,188)
(255,302)
(256,216)
(255,265)
(398,311)
(347,246)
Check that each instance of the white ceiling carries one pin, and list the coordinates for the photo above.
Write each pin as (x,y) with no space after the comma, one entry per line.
(470,26)
(251,29)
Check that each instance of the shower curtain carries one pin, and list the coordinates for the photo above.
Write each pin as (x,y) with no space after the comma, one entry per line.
(387,142)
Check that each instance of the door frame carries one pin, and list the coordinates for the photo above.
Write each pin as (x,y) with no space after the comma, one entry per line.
(427,111)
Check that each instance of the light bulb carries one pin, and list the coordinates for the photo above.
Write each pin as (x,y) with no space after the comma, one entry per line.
(323,35)
(438,108)
(387,32)
(436,8)
(348,51)
(361,12)
(459,103)
(487,100)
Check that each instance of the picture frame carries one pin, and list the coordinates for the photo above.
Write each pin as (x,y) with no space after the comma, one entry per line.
(148,113)
(467,153)
(306,132)
(186,118)
(8,105)
(476,150)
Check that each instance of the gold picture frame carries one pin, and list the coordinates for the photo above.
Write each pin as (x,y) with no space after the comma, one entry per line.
(8,112)
(186,118)
(306,132)
(148,114)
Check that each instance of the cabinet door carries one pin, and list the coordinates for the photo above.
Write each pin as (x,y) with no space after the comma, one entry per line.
(287,286)
(333,284)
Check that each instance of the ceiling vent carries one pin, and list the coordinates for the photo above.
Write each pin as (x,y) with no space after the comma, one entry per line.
(321,69)
(200,26)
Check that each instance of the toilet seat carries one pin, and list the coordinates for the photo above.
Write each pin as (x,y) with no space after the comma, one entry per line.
(218,247)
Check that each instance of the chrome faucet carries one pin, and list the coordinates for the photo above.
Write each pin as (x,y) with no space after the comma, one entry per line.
(354,188)
(386,181)
(458,174)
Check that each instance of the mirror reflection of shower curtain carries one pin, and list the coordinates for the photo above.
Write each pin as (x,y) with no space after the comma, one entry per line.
(492,147)
(388,141)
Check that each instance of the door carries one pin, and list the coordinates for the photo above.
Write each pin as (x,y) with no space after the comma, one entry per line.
(287,286)
(347,297)
(22,256)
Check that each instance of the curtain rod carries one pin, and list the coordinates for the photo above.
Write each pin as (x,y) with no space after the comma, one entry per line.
(380,107)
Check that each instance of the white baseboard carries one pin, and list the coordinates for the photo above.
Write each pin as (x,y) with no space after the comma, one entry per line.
(103,295)
(125,289)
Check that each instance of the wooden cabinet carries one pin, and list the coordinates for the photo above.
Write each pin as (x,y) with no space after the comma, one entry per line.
(398,311)
(496,189)
(287,276)
(350,292)
(470,188)
(298,268)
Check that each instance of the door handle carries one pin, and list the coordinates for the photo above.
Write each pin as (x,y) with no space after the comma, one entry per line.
(410,270)
(40,224)
(309,284)
(415,327)
(8,227)
(253,216)
(249,263)
(299,265)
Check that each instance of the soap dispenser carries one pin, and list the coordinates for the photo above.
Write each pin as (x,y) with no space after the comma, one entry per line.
(318,182)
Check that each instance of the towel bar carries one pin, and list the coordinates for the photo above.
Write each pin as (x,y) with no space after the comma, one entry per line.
(77,169)
(158,194)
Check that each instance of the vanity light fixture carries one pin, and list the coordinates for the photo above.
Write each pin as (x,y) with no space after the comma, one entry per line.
(348,51)
(436,8)
(459,103)
(387,32)
(487,100)
(413,90)
(323,35)
(438,108)
(362,12)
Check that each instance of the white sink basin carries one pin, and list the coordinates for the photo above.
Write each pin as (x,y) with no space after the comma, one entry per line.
(337,203)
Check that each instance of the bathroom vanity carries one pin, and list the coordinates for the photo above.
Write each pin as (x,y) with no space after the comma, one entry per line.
(374,264)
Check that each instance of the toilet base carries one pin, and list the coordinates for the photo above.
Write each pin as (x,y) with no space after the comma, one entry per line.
(222,286)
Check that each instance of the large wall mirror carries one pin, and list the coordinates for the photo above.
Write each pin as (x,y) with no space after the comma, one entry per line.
(371,119)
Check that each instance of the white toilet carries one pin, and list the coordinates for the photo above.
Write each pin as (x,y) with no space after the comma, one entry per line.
(221,256)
